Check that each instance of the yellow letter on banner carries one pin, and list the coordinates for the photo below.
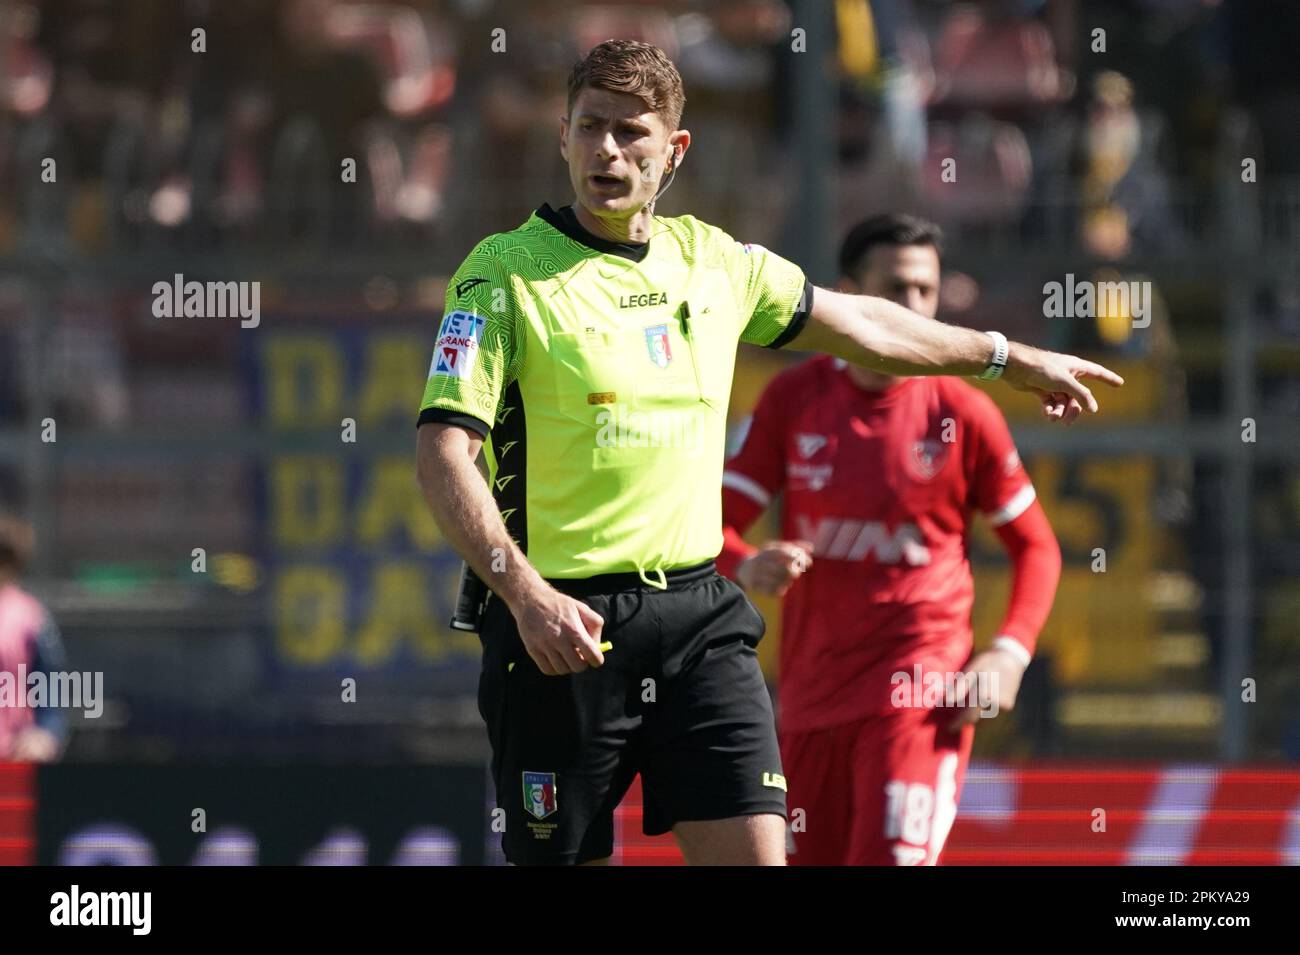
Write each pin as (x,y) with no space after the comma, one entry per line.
(303,381)
(310,611)
(395,364)
(391,500)
(399,609)
(306,501)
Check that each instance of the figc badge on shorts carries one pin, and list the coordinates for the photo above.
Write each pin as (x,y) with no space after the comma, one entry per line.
(539,794)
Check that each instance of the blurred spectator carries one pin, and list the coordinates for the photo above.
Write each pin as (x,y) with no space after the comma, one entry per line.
(338,89)
(81,356)
(726,61)
(109,64)
(884,82)
(224,98)
(513,64)
(252,131)
(884,70)
(1262,38)
(1125,193)
(322,98)
(905,79)
(993,56)
(106,66)
(1125,210)
(29,643)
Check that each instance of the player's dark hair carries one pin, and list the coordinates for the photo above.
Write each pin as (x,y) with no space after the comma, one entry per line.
(630,66)
(891,228)
(16,542)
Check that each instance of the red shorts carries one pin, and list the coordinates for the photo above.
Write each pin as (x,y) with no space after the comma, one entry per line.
(882,791)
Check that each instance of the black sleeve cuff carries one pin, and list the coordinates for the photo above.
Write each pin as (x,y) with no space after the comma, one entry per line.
(798,320)
(458,418)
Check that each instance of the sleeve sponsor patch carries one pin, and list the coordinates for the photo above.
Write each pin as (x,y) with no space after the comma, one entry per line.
(456,350)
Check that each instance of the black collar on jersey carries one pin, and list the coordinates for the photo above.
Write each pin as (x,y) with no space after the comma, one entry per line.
(566,221)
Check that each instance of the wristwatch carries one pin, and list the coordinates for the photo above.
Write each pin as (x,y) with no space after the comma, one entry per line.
(998,363)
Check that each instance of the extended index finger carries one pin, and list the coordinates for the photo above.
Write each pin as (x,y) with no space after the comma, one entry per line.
(1090,369)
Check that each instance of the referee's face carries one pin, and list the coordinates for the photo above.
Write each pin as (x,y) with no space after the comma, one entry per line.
(616,149)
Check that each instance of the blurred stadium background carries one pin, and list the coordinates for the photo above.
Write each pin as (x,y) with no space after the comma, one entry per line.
(1173,156)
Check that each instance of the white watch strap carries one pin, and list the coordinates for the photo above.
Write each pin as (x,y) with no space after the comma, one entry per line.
(998,363)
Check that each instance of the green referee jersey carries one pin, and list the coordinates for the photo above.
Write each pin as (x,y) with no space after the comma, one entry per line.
(599,373)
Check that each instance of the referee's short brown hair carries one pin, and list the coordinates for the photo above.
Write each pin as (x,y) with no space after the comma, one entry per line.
(630,66)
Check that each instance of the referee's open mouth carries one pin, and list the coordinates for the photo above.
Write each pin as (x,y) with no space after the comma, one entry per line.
(604,182)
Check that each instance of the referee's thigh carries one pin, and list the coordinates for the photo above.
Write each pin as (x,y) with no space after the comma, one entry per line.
(711,770)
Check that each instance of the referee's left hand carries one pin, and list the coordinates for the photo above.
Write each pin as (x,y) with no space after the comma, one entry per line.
(561,634)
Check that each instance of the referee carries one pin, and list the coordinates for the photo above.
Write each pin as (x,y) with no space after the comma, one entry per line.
(589,353)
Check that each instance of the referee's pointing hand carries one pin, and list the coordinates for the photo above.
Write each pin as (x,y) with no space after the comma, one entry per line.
(1057,380)
(561,634)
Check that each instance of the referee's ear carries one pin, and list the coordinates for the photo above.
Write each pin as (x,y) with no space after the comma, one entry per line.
(677,149)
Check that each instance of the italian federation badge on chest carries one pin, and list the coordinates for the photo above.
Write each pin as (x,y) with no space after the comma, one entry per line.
(656,340)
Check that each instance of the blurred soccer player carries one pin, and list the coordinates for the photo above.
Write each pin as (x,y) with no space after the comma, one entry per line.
(881,476)
(29,643)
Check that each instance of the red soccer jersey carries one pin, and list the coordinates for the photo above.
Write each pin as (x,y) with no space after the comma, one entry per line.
(883,484)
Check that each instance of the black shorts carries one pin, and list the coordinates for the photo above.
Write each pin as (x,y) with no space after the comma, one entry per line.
(680,699)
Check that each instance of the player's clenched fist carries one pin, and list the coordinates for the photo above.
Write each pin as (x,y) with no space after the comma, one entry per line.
(561,634)
(996,670)
(775,567)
